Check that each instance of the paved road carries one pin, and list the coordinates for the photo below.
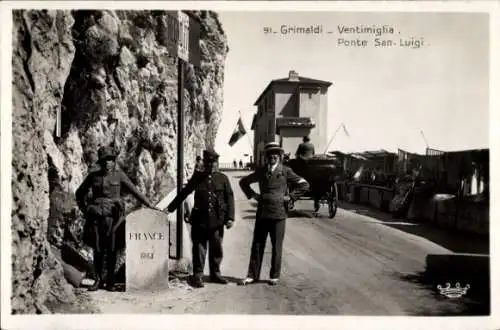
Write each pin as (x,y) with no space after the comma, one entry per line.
(351,265)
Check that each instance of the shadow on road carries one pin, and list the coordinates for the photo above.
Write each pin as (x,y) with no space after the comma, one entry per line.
(458,242)
(472,270)
(454,241)
(470,265)
(188,279)
(297,212)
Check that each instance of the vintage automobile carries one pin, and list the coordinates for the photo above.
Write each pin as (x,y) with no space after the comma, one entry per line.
(321,172)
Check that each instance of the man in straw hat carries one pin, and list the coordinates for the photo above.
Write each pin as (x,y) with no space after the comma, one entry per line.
(274,179)
(104,228)
(213,209)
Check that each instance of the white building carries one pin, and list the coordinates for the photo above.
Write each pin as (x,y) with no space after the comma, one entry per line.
(289,109)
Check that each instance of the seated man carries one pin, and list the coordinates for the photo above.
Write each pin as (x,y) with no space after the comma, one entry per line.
(305,149)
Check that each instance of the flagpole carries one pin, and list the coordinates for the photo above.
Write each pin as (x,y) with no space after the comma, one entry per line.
(331,140)
(248,135)
(425,140)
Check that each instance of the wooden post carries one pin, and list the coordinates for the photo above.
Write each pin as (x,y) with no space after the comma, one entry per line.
(58,122)
(188,34)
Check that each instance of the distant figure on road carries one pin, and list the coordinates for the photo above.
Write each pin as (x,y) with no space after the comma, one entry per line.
(305,149)
(273,179)
(241,163)
(104,229)
(213,209)
(235,164)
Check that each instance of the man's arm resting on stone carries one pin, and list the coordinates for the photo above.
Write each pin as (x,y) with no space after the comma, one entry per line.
(183,194)
(131,188)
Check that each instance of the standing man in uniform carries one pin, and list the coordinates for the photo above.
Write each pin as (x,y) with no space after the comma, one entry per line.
(104,228)
(273,179)
(213,209)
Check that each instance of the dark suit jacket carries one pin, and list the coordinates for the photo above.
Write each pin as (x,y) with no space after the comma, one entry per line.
(273,188)
(213,199)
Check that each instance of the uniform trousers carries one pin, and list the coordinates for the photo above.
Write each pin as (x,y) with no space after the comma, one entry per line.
(275,228)
(201,238)
(103,220)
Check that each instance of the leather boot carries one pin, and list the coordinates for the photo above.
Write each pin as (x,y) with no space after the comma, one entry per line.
(110,280)
(97,284)
(97,272)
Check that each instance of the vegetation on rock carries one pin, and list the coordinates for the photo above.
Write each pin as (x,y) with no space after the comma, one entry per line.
(112,77)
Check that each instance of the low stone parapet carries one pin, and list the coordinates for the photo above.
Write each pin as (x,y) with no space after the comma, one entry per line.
(471,216)
(376,196)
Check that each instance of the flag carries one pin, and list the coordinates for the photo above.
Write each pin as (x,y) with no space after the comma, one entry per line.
(238,132)
(345,130)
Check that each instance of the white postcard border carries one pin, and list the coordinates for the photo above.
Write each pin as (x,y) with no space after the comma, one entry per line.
(232,321)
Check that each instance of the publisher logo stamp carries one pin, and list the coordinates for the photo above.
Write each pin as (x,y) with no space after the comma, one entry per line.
(451,292)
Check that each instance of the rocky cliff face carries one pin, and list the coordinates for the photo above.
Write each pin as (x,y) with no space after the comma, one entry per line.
(115,82)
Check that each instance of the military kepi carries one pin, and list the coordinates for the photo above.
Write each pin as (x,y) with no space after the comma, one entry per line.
(105,153)
(210,155)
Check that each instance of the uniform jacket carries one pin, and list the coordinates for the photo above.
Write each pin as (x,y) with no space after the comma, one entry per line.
(213,199)
(105,201)
(273,188)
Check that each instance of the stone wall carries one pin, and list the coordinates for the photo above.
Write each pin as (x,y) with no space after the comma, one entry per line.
(111,75)
(470,217)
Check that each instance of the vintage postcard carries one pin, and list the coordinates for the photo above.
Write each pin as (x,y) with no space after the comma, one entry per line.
(248,165)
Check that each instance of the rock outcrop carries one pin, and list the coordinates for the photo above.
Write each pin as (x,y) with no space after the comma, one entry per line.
(115,82)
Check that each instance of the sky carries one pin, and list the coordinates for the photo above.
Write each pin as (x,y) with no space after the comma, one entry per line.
(387,97)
